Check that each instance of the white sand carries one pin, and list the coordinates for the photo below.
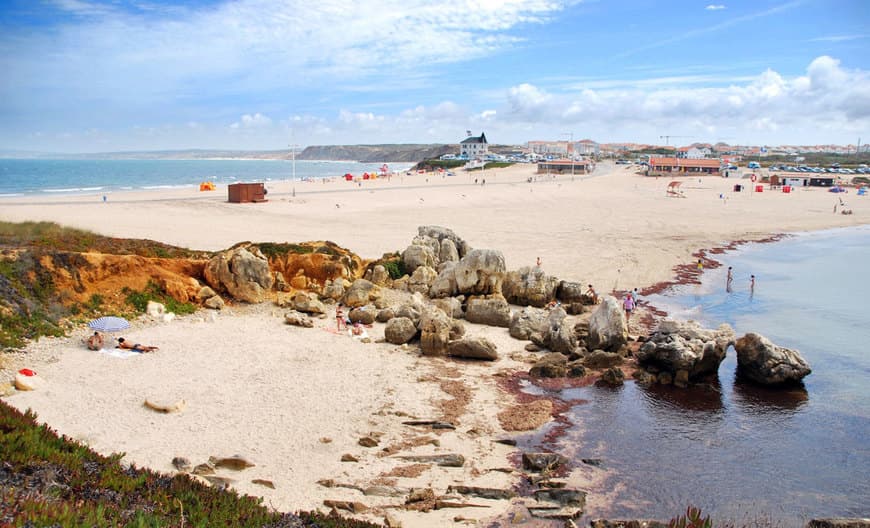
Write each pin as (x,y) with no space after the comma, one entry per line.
(271,392)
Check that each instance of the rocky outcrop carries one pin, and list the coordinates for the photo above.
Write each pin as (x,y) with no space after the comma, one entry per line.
(493,311)
(412,309)
(421,280)
(335,289)
(363,315)
(295,318)
(764,362)
(529,286)
(686,346)
(480,272)
(399,330)
(451,306)
(307,303)
(560,337)
(528,321)
(361,293)
(434,332)
(473,348)
(552,365)
(243,272)
(608,330)
(570,292)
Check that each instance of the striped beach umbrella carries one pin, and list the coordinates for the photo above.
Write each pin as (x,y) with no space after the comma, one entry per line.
(109,324)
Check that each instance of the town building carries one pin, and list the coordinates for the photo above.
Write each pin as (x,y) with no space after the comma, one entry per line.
(693,152)
(683,167)
(561,149)
(474,146)
(587,147)
(565,167)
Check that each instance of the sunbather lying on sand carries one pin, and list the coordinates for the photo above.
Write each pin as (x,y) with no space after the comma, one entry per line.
(136,348)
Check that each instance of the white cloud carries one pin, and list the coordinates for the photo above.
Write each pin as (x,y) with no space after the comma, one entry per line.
(257,120)
(837,38)
(715,7)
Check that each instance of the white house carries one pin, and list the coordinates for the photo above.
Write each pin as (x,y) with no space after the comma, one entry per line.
(693,152)
(474,147)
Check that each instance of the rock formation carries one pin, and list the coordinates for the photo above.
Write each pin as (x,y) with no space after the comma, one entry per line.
(243,272)
(686,346)
(764,362)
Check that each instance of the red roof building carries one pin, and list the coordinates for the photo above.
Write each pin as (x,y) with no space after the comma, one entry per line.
(679,166)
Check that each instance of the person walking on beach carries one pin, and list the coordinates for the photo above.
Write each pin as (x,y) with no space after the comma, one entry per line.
(628,305)
(634,296)
(700,265)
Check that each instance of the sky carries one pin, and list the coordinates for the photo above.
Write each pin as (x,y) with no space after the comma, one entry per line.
(113,75)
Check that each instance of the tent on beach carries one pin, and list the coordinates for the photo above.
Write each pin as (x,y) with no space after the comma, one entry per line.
(348,177)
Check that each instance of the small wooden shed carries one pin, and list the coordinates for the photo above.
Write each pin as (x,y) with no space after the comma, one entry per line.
(246,192)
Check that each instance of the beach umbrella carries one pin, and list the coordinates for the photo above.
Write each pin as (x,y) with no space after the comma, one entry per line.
(109,324)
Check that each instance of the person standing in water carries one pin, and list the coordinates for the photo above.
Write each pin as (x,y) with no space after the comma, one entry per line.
(752,283)
(729,280)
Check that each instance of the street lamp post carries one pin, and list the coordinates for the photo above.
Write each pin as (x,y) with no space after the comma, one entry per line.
(568,149)
(293,157)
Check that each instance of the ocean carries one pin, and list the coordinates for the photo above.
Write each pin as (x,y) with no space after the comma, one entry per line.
(20,177)
(738,451)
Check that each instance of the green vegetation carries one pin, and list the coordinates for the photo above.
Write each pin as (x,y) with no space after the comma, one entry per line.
(29,312)
(439,163)
(692,519)
(51,480)
(395,268)
(153,292)
(272,250)
(51,236)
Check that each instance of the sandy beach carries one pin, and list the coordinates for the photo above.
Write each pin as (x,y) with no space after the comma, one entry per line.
(294,401)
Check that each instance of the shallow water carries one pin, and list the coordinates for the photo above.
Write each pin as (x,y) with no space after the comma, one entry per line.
(64,177)
(737,450)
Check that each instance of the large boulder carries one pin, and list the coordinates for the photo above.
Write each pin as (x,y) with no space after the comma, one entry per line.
(552,365)
(448,251)
(480,272)
(417,255)
(412,309)
(764,362)
(608,329)
(451,306)
(676,346)
(379,276)
(361,293)
(444,284)
(570,292)
(528,321)
(529,286)
(335,289)
(441,234)
(422,279)
(399,330)
(493,311)
(363,315)
(473,348)
(243,272)
(307,303)
(559,336)
(434,332)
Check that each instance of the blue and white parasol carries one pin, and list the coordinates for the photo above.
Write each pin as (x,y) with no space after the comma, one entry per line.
(109,324)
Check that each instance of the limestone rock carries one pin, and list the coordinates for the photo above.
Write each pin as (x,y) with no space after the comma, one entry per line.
(444,284)
(24,382)
(608,329)
(434,332)
(457,330)
(543,461)
(685,346)
(335,289)
(155,309)
(235,462)
(243,272)
(361,293)
(601,359)
(205,293)
(214,303)
(448,251)
(494,311)
(552,365)
(399,330)
(181,464)
(613,377)
(764,362)
(308,303)
(446,460)
(385,315)
(417,255)
(380,277)
(363,315)
(422,279)
(527,321)
(529,286)
(295,318)
(570,292)
(473,348)
(480,272)
(451,306)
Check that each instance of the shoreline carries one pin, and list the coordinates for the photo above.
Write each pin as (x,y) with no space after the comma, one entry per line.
(562,212)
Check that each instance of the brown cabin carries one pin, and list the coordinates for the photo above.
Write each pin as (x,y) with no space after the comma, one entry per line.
(246,192)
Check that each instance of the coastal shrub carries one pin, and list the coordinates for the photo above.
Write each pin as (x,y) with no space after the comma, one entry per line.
(395,268)
(95,302)
(692,519)
(51,480)
(152,292)
(16,329)
(272,250)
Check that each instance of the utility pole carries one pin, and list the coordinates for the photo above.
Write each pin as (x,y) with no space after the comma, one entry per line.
(568,150)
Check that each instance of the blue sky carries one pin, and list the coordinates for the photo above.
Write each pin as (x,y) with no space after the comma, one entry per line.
(93,76)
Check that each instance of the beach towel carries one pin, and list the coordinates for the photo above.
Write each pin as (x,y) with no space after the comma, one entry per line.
(118,353)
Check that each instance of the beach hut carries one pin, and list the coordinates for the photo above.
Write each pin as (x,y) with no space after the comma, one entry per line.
(246,192)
